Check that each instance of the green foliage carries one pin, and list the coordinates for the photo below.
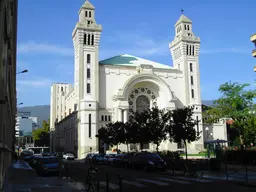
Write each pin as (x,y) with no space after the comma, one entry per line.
(181,127)
(41,136)
(152,126)
(157,125)
(236,103)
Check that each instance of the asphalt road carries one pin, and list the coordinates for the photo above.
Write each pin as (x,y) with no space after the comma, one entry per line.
(137,180)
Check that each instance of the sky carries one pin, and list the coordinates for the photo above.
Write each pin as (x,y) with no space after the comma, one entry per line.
(141,28)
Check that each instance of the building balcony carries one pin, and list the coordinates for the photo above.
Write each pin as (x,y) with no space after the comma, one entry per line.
(253,38)
(254,53)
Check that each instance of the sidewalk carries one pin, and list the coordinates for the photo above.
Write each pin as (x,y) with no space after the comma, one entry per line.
(21,178)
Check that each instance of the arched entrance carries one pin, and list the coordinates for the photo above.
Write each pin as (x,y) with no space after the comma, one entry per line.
(142,103)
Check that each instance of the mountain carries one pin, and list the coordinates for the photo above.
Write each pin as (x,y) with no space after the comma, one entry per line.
(42,112)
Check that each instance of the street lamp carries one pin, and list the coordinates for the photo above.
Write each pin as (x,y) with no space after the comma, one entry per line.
(24,71)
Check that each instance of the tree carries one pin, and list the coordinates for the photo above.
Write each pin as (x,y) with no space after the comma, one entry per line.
(181,126)
(236,103)
(157,125)
(138,131)
(41,136)
(117,133)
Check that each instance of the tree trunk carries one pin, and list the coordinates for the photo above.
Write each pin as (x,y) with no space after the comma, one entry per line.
(157,145)
(186,149)
(127,145)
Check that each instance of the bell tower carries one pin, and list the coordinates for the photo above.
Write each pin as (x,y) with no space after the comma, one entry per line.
(185,54)
(86,39)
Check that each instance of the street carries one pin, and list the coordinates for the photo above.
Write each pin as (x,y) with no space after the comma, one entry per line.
(137,180)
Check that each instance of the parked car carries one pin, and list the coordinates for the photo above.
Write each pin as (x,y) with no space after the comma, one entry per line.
(88,158)
(69,156)
(118,160)
(98,158)
(108,157)
(147,161)
(47,165)
(34,162)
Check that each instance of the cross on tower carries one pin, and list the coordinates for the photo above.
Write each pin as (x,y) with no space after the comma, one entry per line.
(182,11)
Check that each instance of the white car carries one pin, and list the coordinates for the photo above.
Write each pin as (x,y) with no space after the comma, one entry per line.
(69,156)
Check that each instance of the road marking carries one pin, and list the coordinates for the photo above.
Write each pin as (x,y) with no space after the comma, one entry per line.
(175,181)
(195,179)
(133,183)
(111,185)
(153,181)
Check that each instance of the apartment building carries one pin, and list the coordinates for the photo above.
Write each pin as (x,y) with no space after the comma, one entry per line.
(8,42)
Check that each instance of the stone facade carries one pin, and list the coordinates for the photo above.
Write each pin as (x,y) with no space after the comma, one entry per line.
(106,91)
(8,41)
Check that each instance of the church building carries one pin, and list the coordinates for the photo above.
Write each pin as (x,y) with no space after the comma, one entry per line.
(108,90)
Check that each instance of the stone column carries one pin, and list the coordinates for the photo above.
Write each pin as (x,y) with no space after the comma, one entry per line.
(125,115)
(119,114)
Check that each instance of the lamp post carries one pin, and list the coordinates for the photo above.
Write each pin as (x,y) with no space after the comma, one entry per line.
(24,71)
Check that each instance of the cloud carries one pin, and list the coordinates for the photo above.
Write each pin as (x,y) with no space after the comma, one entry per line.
(34,47)
(225,50)
(35,83)
(135,43)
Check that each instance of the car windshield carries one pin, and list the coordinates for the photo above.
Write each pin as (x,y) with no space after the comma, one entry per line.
(50,160)
(69,154)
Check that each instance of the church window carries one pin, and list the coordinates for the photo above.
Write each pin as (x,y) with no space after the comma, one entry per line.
(84,39)
(185,27)
(90,125)
(88,88)
(86,14)
(88,58)
(102,117)
(190,50)
(187,49)
(61,89)
(90,14)
(193,51)
(92,39)
(106,118)
(88,73)
(192,80)
(89,39)
(88,22)
(109,118)
(191,67)
(188,27)
(142,103)
(192,93)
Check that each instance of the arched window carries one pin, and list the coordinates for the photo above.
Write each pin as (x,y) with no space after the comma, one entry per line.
(90,14)
(86,13)
(106,118)
(90,125)
(109,118)
(88,58)
(187,49)
(84,39)
(89,39)
(102,117)
(92,39)
(142,103)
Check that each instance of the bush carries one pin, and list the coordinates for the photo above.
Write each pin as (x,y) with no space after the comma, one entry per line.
(238,156)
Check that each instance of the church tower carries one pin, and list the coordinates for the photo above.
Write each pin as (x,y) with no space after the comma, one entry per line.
(185,54)
(86,38)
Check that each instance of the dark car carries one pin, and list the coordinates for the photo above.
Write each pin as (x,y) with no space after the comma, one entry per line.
(147,161)
(89,157)
(47,165)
